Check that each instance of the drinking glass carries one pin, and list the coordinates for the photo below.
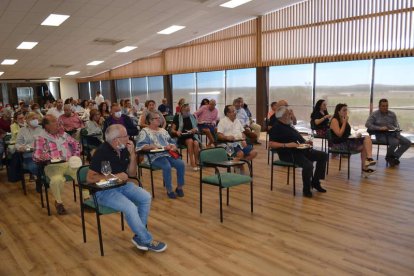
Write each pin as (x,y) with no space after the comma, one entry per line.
(106,168)
(230,150)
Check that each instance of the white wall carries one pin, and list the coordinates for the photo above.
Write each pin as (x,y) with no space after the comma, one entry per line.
(68,88)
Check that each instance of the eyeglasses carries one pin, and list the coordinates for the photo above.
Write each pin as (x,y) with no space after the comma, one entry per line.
(125,136)
(156,118)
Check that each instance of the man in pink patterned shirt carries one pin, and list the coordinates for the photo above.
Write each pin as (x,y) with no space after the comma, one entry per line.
(53,144)
(70,121)
(207,116)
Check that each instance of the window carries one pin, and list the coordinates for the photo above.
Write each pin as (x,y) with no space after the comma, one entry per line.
(122,89)
(210,85)
(183,86)
(393,81)
(139,89)
(106,89)
(156,89)
(346,82)
(294,84)
(242,83)
(84,91)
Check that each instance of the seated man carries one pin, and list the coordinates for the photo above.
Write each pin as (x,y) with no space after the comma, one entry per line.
(207,116)
(230,129)
(286,139)
(242,116)
(292,115)
(383,120)
(58,110)
(133,201)
(256,128)
(118,118)
(70,121)
(55,144)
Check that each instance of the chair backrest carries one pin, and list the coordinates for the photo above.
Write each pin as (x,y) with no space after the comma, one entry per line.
(213,155)
(81,174)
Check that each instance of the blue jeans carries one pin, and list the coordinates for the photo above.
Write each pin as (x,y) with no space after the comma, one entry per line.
(30,165)
(165,163)
(398,144)
(134,202)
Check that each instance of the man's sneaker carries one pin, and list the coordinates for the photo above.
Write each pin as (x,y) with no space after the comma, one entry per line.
(136,242)
(60,209)
(367,172)
(157,246)
(370,162)
(171,195)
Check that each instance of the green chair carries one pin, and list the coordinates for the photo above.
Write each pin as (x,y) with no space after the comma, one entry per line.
(284,164)
(347,152)
(212,157)
(92,203)
(148,166)
(87,147)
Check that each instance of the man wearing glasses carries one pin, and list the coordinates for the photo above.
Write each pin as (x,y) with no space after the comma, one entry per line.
(133,201)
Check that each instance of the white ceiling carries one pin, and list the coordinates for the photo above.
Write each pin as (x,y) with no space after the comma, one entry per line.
(135,22)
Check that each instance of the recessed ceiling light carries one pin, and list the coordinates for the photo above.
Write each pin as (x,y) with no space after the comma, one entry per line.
(234,3)
(171,29)
(54,20)
(95,62)
(9,61)
(126,49)
(71,73)
(27,45)
(1,73)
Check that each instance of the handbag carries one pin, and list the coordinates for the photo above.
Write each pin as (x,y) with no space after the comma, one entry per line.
(174,154)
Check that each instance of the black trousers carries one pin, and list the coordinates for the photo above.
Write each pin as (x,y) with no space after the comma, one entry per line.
(304,159)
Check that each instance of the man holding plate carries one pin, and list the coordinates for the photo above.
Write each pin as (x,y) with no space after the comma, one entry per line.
(291,145)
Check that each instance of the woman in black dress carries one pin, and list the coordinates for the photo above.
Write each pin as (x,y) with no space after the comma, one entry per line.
(320,118)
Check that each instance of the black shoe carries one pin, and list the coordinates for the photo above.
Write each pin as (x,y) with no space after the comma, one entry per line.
(307,194)
(392,161)
(319,188)
(396,161)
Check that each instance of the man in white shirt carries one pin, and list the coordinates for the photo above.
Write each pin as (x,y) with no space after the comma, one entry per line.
(99,98)
(58,110)
(137,106)
(242,116)
(230,130)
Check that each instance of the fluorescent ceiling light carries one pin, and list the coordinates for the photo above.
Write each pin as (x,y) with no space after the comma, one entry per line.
(54,19)
(1,73)
(126,49)
(71,73)
(27,45)
(234,3)
(9,61)
(54,77)
(171,29)
(206,93)
(95,62)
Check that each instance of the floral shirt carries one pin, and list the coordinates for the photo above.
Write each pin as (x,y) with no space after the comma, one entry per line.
(60,146)
(159,138)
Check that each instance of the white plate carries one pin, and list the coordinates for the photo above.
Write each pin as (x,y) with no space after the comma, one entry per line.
(156,150)
(55,160)
(100,183)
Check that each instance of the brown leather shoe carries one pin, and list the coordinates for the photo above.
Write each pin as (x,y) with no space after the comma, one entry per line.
(60,208)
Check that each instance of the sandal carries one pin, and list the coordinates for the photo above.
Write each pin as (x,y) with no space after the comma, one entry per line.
(367,172)
(370,162)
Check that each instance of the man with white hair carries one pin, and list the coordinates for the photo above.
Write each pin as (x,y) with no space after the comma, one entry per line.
(286,140)
(133,201)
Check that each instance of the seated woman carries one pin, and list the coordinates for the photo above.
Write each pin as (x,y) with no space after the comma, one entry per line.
(18,123)
(154,137)
(104,110)
(184,127)
(341,130)
(94,128)
(150,107)
(25,141)
(320,118)
(179,104)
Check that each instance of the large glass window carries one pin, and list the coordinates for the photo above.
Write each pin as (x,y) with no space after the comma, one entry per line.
(123,89)
(84,91)
(156,89)
(294,84)
(210,85)
(346,82)
(106,89)
(242,83)
(95,86)
(139,89)
(394,81)
(183,86)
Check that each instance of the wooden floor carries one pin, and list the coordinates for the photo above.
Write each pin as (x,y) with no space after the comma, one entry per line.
(359,227)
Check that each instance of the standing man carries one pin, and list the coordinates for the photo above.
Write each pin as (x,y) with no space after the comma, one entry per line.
(99,98)
(133,201)
(286,140)
(381,122)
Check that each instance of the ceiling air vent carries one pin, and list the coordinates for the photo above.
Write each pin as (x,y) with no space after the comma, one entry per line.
(106,41)
(60,66)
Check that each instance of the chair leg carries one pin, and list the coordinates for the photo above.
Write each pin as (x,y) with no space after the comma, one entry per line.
(251,196)
(201,197)
(268,156)
(221,205)
(24,185)
(47,202)
(227,197)
(271,176)
(349,165)
(41,198)
(74,190)
(82,213)
(378,151)
(122,221)
(294,181)
(98,222)
(288,173)
(340,161)
(152,184)
(327,164)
